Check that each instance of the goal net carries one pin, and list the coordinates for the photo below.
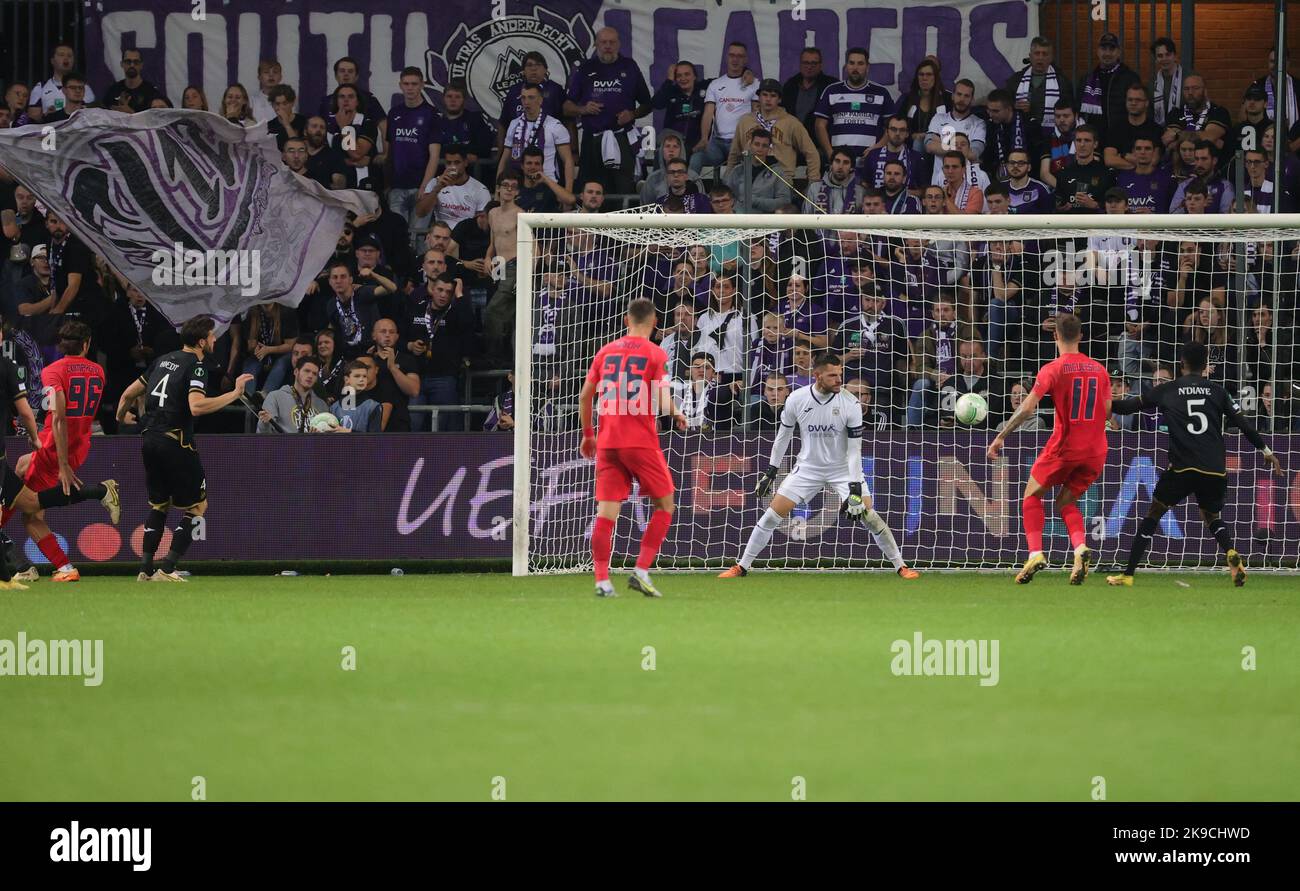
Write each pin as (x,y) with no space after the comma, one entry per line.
(922,309)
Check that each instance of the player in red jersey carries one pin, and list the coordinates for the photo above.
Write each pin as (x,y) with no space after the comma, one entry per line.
(1074,456)
(629,377)
(72,386)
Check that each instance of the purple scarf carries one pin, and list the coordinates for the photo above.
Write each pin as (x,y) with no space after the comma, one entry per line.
(1090,101)
(519,143)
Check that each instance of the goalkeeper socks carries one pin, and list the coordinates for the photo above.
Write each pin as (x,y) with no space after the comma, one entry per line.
(153,533)
(1073,524)
(54,496)
(1141,541)
(884,538)
(653,538)
(761,535)
(1032,514)
(49,546)
(182,535)
(1219,530)
(602,545)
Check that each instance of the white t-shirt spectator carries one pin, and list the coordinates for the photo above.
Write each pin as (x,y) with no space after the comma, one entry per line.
(972,125)
(49,96)
(552,133)
(732,100)
(459,203)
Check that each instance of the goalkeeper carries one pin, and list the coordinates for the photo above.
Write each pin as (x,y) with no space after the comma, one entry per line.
(830,456)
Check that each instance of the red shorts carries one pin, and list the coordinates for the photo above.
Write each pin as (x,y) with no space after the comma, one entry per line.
(1073,473)
(616,468)
(43,471)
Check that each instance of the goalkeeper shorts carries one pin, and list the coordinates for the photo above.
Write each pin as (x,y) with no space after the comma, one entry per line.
(802,486)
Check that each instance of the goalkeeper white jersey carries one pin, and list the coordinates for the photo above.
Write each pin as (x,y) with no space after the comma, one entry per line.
(824,424)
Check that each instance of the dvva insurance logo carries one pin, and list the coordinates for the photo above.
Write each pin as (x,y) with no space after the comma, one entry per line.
(490,56)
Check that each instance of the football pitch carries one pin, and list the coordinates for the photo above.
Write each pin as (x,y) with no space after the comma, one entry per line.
(459,686)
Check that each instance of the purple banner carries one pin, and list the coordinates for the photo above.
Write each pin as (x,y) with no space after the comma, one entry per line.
(212,45)
(435,496)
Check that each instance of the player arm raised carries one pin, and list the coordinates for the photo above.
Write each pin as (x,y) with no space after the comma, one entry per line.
(206,405)
(1022,414)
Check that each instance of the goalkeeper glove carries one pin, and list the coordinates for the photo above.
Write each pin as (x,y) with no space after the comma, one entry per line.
(764,484)
(853,508)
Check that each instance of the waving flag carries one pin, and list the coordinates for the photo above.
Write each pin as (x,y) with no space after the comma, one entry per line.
(199,213)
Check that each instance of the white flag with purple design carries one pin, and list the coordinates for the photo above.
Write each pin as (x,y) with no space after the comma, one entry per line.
(199,213)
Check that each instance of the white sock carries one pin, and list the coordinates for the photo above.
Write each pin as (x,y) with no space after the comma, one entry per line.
(885,540)
(759,538)
(606,585)
(66,567)
(643,574)
(1081,548)
(1034,554)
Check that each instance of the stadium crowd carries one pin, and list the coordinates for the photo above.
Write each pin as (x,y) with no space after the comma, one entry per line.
(421,295)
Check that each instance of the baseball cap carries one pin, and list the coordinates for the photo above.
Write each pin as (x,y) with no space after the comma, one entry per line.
(770,85)
(1108,39)
(1256,91)
(1115,370)
(370,240)
(40,250)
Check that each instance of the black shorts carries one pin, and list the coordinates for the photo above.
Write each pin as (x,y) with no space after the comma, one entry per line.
(10,484)
(1210,490)
(173,472)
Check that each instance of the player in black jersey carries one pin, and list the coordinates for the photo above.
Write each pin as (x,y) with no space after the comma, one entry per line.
(1194,408)
(174,390)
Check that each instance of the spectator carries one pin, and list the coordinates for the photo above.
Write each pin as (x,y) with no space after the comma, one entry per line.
(75,89)
(771,352)
(1024,193)
(1136,353)
(413,128)
(1059,151)
(725,323)
(681,98)
(972,375)
(680,187)
(914,276)
(873,418)
(934,200)
(502,417)
(1218,190)
(959,118)
(360,415)
(536,73)
(357,137)
(1269,84)
(333,368)
(1007,131)
(1290,168)
(269,76)
(461,127)
(132,93)
(608,94)
(700,398)
(235,106)
(1081,186)
(769,186)
(934,361)
(454,196)
(15,100)
(1167,85)
(975,174)
(775,390)
(1149,188)
(729,98)
(1275,414)
(1137,124)
(802,375)
(353,310)
(269,330)
(399,377)
(539,193)
(655,184)
(1268,353)
(1208,324)
(194,98)
(76,290)
(347,73)
(325,162)
(1196,278)
(500,260)
(1006,284)
(47,97)
(1198,118)
(1259,193)
(960,194)
(532,128)
(895,149)
(134,334)
(469,241)
(895,192)
(1032,424)
(923,100)
(1101,95)
(839,190)
(1037,88)
(34,297)
(801,317)
(438,329)
(799,94)
(684,340)
(873,345)
(21,228)
(284,123)
(592,199)
(852,112)
(788,139)
(291,408)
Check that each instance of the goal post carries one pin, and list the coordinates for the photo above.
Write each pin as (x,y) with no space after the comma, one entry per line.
(923,308)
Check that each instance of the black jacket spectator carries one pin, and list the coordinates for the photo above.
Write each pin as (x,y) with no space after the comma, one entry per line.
(790,97)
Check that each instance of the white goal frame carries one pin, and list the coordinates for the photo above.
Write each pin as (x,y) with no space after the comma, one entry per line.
(1181,226)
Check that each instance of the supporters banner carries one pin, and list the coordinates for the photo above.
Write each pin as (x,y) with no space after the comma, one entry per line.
(212,45)
(436,496)
(199,213)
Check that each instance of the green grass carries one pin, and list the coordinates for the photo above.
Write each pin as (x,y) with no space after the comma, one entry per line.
(462,678)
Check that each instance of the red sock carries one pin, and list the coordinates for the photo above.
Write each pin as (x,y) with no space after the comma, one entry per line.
(49,546)
(1074,524)
(1032,514)
(602,545)
(653,538)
